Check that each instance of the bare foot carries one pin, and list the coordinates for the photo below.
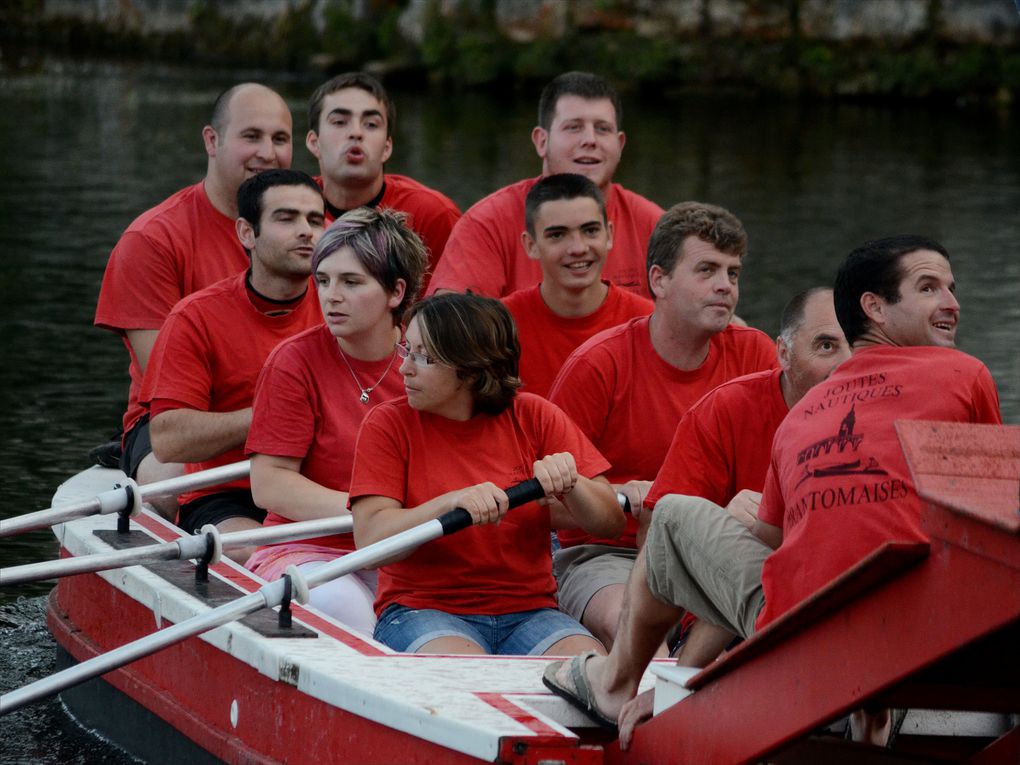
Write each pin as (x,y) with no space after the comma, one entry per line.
(635,712)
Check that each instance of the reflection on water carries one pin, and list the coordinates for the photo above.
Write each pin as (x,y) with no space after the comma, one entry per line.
(89,147)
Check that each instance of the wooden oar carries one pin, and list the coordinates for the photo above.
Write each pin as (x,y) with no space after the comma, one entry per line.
(208,542)
(122,497)
(269,596)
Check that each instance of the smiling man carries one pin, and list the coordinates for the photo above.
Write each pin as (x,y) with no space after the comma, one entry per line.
(568,234)
(201,380)
(578,131)
(629,386)
(351,120)
(838,485)
(185,244)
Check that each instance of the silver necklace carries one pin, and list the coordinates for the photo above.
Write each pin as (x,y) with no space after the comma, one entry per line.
(363,398)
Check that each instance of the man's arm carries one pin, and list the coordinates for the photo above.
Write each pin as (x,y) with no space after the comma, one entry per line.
(768,534)
(141,342)
(190,435)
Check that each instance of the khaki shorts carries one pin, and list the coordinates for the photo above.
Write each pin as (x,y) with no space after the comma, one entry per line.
(702,559)
(583,570)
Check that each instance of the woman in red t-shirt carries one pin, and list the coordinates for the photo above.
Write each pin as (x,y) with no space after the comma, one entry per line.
(317,387)
(461,434)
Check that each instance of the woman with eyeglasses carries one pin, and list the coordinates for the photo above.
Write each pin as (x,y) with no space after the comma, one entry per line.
(317,387)
(462,434)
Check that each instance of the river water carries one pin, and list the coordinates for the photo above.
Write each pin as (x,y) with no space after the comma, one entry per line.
(89,146)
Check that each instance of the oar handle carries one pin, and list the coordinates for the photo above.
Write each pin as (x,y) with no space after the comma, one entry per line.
(518,494)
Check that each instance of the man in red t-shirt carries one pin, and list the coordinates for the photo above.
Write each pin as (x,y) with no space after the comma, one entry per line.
(568,234)
(722,446)
(201,378)
(578,131)
(187,243)
(350,120)
(628,387)
(838,486)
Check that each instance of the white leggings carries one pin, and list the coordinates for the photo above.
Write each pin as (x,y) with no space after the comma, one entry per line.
(348,598)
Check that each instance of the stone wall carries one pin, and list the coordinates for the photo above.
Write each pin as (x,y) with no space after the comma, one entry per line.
(995,22)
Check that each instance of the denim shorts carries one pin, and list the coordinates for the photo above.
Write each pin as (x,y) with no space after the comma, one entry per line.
(521,633)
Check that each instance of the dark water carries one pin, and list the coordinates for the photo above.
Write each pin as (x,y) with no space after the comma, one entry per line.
(88,147)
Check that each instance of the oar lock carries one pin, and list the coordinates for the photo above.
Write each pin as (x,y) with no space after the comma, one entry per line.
(125,499)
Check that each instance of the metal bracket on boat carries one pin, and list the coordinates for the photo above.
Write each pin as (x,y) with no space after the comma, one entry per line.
(125,500)
(212,554)
(285,617)
(294,588)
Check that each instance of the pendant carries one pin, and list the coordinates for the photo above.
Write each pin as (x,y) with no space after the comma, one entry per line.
(364,397)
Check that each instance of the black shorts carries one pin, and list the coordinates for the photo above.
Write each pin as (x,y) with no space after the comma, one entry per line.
(214,508)
(137,446)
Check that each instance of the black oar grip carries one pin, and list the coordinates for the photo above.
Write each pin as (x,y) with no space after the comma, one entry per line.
(518,494)
(524,492)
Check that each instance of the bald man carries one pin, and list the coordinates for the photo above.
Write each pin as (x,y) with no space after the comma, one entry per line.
(187,243)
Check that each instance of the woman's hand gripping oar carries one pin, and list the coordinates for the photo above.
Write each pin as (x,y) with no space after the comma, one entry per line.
(123,497)
(269,596)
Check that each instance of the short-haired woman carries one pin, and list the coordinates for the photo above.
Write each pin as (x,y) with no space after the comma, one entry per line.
(462,434)
(317,387)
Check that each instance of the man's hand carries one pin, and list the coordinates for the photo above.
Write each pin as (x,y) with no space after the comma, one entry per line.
(635,492)
(634,712)
(744,507)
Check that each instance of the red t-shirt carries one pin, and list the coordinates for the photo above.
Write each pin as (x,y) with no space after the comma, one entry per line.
(548,339)
(209,354)
(838,483)
(485,253)
(628,400)
(415,456)
(724,442)
(431,214)
(306,406)
(180,246)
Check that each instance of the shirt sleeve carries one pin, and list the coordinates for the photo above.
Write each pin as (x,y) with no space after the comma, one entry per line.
(696,464)
(180,367)
(283,419)
(472,259)
(140,285)
(380,457)
(772,509)
(584,392)
(985,399)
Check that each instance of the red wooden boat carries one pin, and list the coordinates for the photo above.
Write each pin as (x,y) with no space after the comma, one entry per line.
(933,627)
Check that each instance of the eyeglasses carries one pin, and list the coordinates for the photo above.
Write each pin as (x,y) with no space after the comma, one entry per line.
(417,357)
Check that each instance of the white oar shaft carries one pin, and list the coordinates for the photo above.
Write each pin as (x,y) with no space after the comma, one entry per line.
(171,487)
(289,532)
(133,651)
(117,499)
(85,564)
(376,553)
(269,596)
(53,569)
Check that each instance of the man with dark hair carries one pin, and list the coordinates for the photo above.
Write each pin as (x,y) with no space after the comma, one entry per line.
(201,380)
(838,485)
(569,236)
(579,132)
(187,243)
(628,387)
(350,119)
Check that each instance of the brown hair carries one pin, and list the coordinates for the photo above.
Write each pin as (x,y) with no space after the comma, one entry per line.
(477,337)
(715,225)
